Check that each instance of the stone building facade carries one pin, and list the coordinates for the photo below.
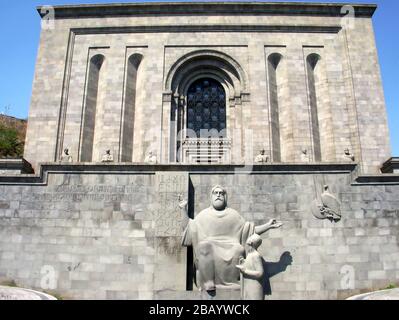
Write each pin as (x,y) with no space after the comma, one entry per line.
(299,81)
(292,78)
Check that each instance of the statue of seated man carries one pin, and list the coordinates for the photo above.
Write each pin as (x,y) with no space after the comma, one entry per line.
(218,236)
(261,157)
(107,157)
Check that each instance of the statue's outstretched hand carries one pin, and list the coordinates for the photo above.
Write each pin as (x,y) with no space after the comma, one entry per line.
(274,224)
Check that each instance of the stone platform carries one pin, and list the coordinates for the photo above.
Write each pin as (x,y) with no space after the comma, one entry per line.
(111,231)
(12,293)
(392,294)
(195,294)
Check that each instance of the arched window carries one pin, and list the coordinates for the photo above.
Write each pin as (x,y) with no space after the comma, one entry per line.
(216,67)
(129,108)
(206,108)
(312,63)
(273,62)
(89,118)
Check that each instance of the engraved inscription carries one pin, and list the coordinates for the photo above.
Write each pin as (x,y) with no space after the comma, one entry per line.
(167,216)
(79,193)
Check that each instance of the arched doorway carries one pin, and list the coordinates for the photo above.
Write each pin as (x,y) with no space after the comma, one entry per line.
(194,80)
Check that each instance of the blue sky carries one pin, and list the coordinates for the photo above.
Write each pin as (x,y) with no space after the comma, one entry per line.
(20,30)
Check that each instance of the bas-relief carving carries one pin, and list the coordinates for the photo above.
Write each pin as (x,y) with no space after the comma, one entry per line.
(328,208)
(218,236)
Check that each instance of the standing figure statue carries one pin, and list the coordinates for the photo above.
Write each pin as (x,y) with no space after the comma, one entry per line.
(218,236)
(252,271)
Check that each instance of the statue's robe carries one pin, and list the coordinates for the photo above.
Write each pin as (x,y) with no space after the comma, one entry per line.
(226,232)
(252,285)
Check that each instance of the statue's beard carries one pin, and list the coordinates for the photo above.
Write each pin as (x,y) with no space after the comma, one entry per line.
(219,204)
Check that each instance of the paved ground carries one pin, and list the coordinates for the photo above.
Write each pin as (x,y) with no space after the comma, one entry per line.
(13,293)
(392,294)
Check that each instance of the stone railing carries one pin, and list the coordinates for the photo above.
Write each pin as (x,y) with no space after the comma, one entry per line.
(206,150)
(15,166)
(391,166)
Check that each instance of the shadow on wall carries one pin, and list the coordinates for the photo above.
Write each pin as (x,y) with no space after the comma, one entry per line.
(273,268)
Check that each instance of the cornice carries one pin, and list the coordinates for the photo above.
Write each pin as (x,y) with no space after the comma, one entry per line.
(207,8)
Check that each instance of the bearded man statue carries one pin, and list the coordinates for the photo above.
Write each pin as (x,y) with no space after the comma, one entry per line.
(218,235)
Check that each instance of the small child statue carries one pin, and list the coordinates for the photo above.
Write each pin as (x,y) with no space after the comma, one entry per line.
(252,271)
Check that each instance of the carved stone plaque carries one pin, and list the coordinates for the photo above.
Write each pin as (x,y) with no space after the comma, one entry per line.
(167,216)
(171,258)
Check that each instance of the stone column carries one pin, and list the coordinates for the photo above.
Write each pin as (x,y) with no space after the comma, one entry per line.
(168,140)
(148,132)
(110,120)
(368,96)
(259,111)
(41,137)
(298,96)
(344,133)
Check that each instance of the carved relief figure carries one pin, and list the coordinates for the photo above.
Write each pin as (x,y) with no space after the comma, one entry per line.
(252,271)
(329,208)
(218,235)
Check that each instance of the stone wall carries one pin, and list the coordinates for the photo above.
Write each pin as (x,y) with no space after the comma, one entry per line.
(95,231)
(112,231)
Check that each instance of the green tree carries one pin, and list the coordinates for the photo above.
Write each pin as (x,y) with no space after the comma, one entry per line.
(10,146)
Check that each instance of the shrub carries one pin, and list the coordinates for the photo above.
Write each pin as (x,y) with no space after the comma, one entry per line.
(10,146)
